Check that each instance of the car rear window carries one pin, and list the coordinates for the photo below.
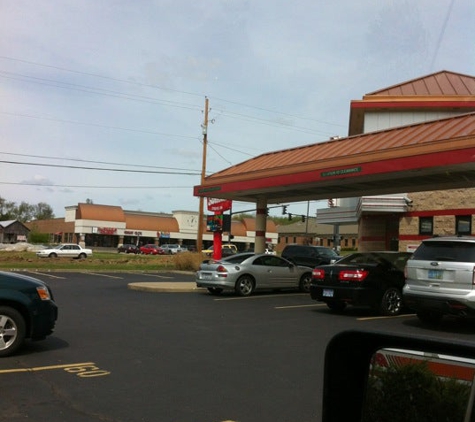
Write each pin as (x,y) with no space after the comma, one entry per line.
(446,251)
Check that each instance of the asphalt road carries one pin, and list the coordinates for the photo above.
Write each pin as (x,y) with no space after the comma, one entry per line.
(122,355)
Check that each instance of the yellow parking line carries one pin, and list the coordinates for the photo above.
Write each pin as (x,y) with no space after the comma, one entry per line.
(45,368)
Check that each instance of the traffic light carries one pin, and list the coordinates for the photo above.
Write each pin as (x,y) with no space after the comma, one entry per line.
(303,218)
(284,209)
(267,211)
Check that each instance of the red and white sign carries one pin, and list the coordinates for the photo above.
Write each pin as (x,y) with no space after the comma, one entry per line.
(219,205)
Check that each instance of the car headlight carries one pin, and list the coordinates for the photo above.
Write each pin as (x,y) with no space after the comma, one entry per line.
(43,293)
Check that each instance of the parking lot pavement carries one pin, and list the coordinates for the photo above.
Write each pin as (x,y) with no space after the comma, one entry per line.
(173,287)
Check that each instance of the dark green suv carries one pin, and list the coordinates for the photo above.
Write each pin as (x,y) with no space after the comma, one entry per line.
(27,310)
(309,256)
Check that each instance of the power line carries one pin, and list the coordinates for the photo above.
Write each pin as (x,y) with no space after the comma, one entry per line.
(90,161)
(188,173)
(93,187)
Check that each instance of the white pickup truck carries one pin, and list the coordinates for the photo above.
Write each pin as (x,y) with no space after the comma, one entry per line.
(70,250)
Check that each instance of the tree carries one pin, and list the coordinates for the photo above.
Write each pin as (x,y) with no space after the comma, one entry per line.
(24,212)
(43,211)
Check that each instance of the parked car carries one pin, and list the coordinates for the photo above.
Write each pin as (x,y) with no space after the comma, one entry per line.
(151,249)
(371,279)
(440,278)
(227,249)
(128,248)
(309,255)
(68,250)
(247,272)
(27,310)
(172,249)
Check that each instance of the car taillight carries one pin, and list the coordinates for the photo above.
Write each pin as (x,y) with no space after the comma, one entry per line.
(353,275)
(318,273)
(221,269)
(473,276)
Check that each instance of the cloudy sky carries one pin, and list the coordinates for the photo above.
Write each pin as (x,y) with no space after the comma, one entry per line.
(104,100)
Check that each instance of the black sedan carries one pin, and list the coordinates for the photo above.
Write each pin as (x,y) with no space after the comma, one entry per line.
(128,248)
(371,279)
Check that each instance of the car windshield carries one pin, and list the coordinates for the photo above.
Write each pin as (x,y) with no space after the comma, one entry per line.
(237,259)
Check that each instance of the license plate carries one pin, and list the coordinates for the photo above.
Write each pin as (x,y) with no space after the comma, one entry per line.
(435,274)
(327,292)
(206,276)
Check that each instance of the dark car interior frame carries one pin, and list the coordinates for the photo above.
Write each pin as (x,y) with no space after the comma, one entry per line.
(347,362)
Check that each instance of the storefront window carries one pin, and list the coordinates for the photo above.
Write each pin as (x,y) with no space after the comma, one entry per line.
(426,225)
(463,224)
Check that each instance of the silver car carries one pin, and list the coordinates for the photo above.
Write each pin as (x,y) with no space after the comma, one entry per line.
(246,272)
(440,278)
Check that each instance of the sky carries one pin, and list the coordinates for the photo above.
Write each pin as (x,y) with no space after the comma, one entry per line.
(104,100)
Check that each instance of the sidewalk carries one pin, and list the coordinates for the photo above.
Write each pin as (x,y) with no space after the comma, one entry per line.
(157,286)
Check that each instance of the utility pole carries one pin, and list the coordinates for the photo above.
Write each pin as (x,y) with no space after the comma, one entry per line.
(199,240)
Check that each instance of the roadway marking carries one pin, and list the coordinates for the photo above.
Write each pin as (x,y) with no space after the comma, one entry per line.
(157,276)
(385,317)
(313,305)
(46,274)
(258,297)
(82,370)
(105,275)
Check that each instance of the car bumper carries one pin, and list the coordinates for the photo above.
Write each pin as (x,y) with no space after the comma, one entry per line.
(43,320)
(353,295)
(206,280)
(450,305)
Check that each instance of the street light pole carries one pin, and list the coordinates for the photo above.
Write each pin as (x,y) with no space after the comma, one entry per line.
(199,240)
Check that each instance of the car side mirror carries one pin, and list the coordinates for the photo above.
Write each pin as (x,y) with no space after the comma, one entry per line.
(362,370)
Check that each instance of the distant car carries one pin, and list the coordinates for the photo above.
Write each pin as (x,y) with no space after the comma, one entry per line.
(27,310)
(128,248)
(309,255)
(66,250)
(227,249)
(151,249)
(172,249)
(440,278)
(247,272)
(371,279)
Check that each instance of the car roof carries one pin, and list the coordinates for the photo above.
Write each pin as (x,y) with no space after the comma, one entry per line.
(451,239)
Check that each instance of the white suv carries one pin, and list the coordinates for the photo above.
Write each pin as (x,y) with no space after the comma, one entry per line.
(440,278)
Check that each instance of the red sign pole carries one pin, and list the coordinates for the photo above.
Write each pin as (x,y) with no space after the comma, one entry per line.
(218,242)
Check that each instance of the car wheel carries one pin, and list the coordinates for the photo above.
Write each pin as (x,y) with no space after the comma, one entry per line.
(215,290)
(391,302)
(429,317)
(336,305)
(244,285)
(82,256)
(12,330)
(304,284)
(53,255)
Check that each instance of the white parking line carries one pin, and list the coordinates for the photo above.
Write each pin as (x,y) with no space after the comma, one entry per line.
(105,275)
(313,305)
(156,276)
(258,297)
(46,274)
(385,317)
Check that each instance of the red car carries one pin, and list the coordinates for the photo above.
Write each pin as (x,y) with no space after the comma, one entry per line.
(151,250)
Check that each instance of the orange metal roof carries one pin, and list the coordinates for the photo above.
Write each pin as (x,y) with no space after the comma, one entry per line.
(441,91)
(99,212)
(151,222)
(437,84)
(438,150)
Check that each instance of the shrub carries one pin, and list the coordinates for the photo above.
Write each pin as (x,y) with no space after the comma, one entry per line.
(188,261)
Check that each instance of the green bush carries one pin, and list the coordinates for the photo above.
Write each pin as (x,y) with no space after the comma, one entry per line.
(38,238)
(412,393)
